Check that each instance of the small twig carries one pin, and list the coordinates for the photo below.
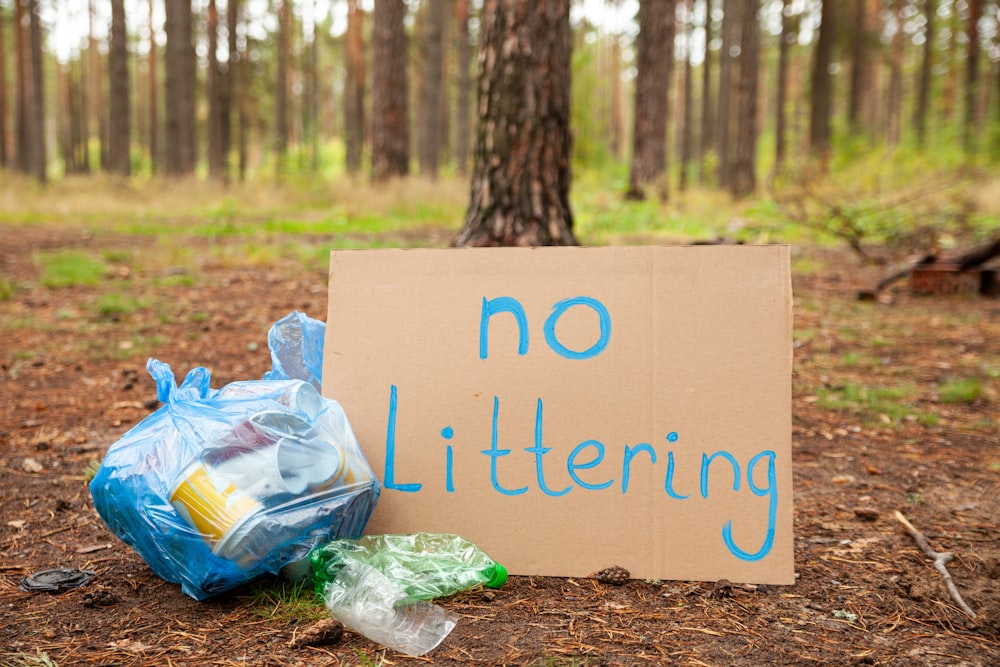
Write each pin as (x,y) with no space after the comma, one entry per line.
(941,559)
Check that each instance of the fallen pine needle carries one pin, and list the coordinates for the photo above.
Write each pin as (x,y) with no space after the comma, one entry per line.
(941,559)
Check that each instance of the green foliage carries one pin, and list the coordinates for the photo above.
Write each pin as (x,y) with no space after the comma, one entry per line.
(116,305)
(70,268)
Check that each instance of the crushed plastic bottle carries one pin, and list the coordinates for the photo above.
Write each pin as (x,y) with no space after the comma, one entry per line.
(380,585)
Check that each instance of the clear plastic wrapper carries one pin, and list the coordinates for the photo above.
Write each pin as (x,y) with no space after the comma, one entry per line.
(217,488)
(296,345)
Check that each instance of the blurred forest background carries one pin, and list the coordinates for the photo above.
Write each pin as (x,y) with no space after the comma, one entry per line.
(775,99)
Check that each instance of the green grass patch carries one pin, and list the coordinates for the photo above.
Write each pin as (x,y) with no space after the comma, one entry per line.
(70,268)
(961,390)
(7,289)
(869,403)
(286,601)
(117,305)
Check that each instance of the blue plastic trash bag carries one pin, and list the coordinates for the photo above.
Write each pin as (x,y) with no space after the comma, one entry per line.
(296,344)
(219,487)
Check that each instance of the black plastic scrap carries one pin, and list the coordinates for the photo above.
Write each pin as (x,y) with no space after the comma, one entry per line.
(58,579)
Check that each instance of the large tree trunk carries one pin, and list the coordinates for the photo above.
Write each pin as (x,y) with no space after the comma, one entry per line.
(463,83)
(180,156)
(354,88)
(521,175)
(926,65)
(821,98)
(655,61)
(390,122)
(744,176)
(119,121)
(431,84)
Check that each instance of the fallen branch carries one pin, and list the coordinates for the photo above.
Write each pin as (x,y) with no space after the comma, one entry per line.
(941,559)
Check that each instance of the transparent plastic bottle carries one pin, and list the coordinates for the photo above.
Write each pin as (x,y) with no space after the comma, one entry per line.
(380,585)
(427,565)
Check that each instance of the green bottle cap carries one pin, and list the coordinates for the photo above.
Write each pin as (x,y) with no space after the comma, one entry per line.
(497,574)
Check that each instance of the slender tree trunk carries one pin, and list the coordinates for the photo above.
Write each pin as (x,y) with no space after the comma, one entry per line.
(39,163)
(924,74)
(654,56)
(281,88)
(744,177)
(213,92)
(431,84)
(22,131)
(311,114)
(463,84)
(860,90)
(119,125)
(354,87)
(153,92)
(390,114)
(821,98)
(972,128)
(243,103)
(521,175)
(723,123)
(95,96)
(894,106)
(230,87)
(784,45)
(4,119)
(707,139)
(179,158)
(687,139)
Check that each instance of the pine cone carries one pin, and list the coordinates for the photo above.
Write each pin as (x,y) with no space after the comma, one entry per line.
(614,575)
(321,633)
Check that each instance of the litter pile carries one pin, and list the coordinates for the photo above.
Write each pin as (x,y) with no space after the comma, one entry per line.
(219,487)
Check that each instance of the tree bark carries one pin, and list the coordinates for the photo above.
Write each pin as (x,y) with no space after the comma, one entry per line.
(821,98)
(724,116)
(972,128)
(780,129)
(213,92)
(281,88)
(926,66)
(390,106)
(230,87)
(39,162)
(4,119)
(707,139)
(521,175)
(119,120)
(179,156)
(894,98)
(463,84)
(431,83)
(95,95)
(354,88)
(655,61)
(744,176)
(687,138)
(22,131)
(860,95)
(153,88)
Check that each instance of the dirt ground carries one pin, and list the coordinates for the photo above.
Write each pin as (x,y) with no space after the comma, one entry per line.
(72,380)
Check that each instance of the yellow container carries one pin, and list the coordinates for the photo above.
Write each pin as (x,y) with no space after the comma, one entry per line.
(211,505)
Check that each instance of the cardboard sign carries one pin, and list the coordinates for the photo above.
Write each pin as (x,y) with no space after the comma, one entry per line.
(568,409)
